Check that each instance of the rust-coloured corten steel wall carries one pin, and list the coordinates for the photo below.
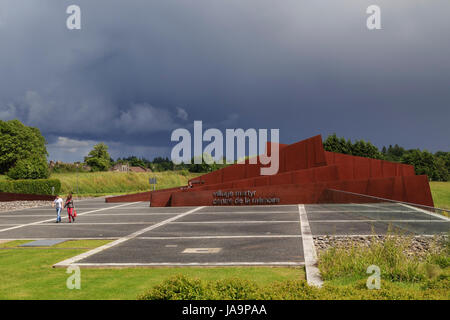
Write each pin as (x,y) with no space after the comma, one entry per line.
(5,196)
(306,172)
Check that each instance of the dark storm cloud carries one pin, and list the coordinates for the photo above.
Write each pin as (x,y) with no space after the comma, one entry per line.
(139,69)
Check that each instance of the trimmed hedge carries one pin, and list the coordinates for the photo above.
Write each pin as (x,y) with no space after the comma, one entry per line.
(40,186)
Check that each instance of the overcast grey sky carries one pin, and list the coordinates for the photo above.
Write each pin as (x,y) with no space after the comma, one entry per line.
(138,69)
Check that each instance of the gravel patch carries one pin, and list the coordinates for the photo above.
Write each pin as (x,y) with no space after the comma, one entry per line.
(17,205)
(417,245)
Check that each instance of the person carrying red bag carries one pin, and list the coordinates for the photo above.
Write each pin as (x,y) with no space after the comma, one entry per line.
(70,208)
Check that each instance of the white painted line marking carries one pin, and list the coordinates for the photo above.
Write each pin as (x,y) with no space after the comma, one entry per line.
(177,264)
(374,206)
(103,215)
(82,256)
(152,222)
(68,239)
(101,223)
(244,212)
(375,220)
(309,250)
(48,220)
(133,214)
(220,237)
(426,212)
(202,250)
(29,216)
(81,212)
(312,212)
(258,206)
(50,208)
(232,222)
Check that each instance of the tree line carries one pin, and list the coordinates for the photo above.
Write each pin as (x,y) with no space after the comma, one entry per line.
(23,155)
(99,159)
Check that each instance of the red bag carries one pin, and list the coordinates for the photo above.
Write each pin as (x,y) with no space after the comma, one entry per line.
(74,212)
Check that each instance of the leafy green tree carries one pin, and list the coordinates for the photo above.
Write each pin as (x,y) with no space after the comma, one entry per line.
(423,161)
(208,164)
(394,153)
(34,167)
(445,156)
(98,158)
(358,148)
(162,164)
(441,173)
(366,149)
(19,142)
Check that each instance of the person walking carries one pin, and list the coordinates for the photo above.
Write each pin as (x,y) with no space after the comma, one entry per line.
(70,207)
(58,203)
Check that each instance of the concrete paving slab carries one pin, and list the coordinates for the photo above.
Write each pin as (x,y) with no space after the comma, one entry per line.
(364,215)
(265,250)
(125,218)
(262,216)
(231,209)
(25,219)
(380,228)
(212,229)
(71,231)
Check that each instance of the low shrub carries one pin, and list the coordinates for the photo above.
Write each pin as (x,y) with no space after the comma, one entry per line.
(39,186)
(178,288)
(389,255)
(440,253)
(185,288)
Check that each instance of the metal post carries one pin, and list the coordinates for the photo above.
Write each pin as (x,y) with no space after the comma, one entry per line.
(77,177)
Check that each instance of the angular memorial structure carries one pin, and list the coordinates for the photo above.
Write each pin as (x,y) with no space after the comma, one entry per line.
(307,174)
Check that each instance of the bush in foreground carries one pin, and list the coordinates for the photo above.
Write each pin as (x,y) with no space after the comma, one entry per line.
(186,288)
(390,256)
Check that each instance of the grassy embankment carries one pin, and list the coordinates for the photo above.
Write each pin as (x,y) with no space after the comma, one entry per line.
(441,194)
(113,183)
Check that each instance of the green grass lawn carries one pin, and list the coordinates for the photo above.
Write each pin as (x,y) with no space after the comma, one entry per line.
(27,273)
(112,183)
(441,194)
